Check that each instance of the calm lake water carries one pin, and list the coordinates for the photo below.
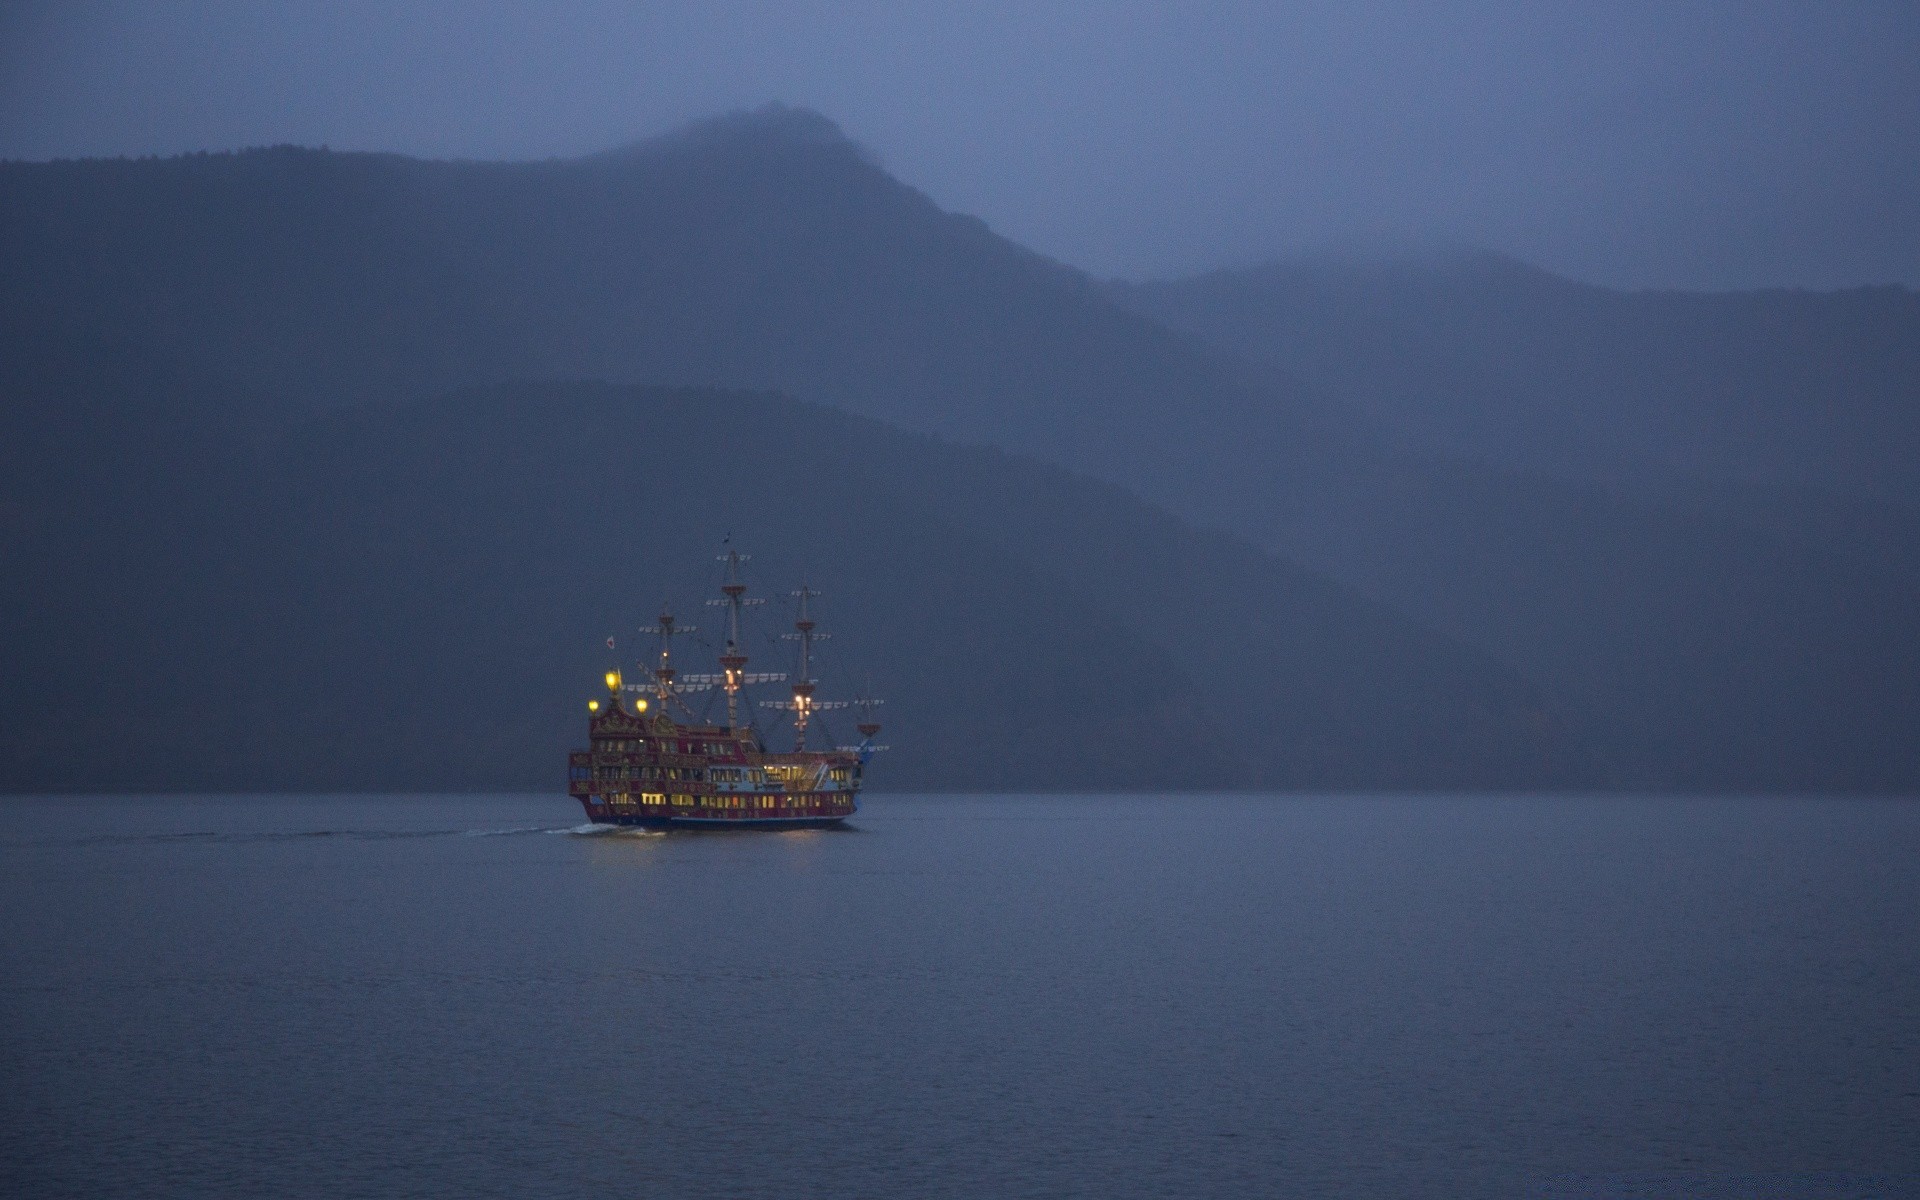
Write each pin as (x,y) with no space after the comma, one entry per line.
(963,996)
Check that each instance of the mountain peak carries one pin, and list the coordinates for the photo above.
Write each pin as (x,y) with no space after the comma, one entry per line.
(771,126)
(771,122)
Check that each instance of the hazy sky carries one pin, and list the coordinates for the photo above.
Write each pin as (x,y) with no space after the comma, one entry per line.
(1660,144)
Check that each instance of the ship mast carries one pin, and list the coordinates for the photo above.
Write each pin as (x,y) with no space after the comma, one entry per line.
(663,674)
(803,705)
(803,683)
(869,725)
(733,664)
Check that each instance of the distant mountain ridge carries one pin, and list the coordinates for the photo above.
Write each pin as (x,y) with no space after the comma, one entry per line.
(1479,354)
(766,252)
(1702,523)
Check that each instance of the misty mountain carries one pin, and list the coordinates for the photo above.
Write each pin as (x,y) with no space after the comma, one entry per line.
(1482,356)
(761,250)
(1708,640)
(1700,651)
(416,596)
(1692,516)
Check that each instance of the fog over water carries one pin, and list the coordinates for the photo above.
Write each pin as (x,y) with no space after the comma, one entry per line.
(1641,145)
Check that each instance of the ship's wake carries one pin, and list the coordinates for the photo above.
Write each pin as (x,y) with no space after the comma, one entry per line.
(593,830)
(242,837)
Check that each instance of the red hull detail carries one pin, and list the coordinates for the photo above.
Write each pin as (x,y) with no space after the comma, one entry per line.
(652,770)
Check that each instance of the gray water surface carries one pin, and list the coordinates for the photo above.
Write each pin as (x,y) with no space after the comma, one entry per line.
(963,996)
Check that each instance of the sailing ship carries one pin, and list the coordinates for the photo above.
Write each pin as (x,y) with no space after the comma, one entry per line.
(645,766)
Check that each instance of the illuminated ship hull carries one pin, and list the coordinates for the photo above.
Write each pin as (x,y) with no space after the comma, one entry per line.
(650,772)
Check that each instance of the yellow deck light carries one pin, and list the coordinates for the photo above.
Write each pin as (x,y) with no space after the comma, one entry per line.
(593,706)
(639,706)
(613,681)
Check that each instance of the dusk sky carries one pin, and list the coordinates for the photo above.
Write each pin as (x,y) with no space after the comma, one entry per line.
(1650,145)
